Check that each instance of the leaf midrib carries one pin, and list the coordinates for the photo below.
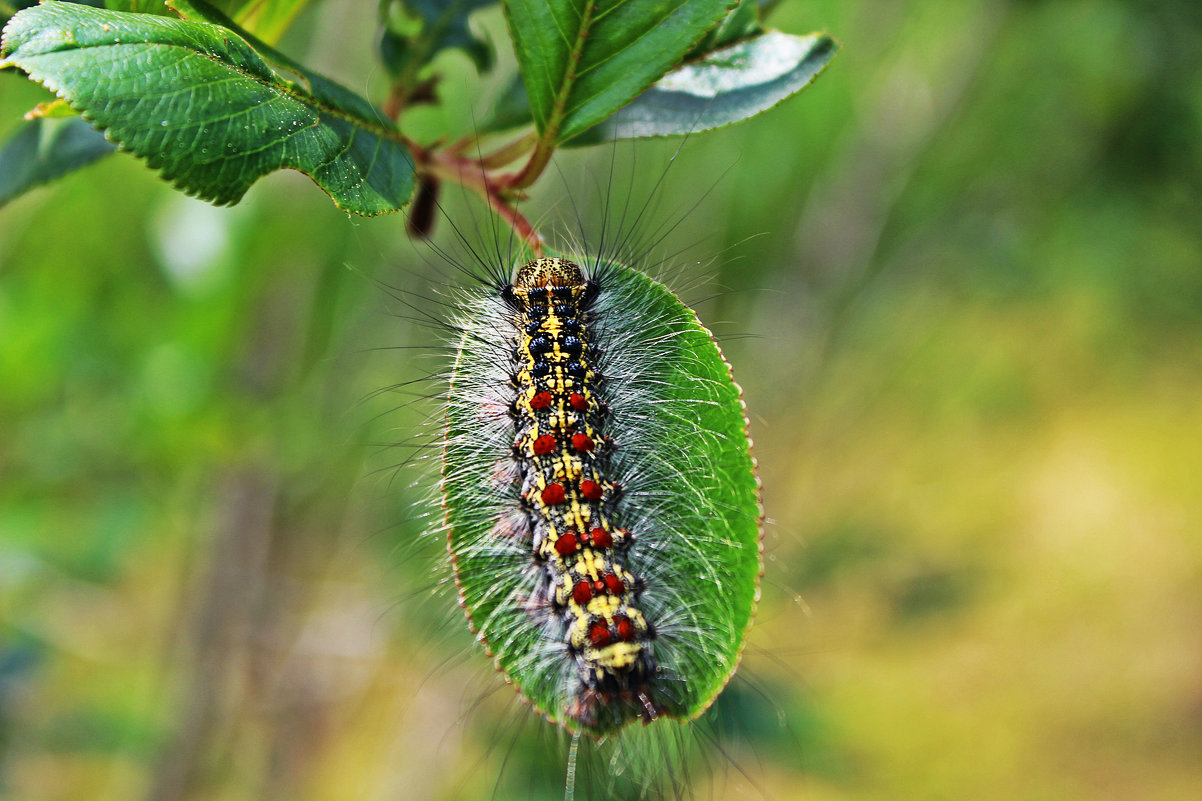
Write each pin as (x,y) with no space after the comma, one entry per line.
(558,111)
(645,33)
(633,41)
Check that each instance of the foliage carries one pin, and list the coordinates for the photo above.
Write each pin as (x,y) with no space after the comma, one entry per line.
(206,109)
(213,107)
(45,149)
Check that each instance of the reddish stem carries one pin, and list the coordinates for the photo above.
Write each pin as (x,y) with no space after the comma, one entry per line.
(472,173)
(533,169)
(508,153)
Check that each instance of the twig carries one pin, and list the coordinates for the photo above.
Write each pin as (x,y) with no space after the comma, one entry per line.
(473,174)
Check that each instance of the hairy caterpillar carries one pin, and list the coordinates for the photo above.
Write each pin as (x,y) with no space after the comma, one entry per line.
(601,502)
(671,455)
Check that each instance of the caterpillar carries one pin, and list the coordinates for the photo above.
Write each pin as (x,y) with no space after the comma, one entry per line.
(601,502)
(562,456)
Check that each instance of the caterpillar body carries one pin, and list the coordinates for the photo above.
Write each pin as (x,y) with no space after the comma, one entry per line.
(601,502)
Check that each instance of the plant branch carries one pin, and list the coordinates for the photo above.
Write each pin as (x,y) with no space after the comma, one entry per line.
(538,162)
(509,153)
(448,165)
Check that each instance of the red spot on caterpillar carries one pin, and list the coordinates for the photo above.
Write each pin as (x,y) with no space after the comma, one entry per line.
(598,635)
(601,538)
(590,489)
(614,585)
(578,401)
(582,592)
(541,400)
(553,494)
(566,543)
(581,442)
(625,629)
(544,445)
(599,586)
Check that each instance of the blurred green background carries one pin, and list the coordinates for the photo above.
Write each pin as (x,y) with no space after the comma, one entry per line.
(960,280)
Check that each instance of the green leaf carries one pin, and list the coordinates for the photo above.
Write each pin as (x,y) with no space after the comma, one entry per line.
(158,7)
(582,60)
(429,27)
(45,149)
(742,22)
(321,88)
(267,19)
(726,86)
(202,106)
(10,7)
(690,500)
(56,109)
